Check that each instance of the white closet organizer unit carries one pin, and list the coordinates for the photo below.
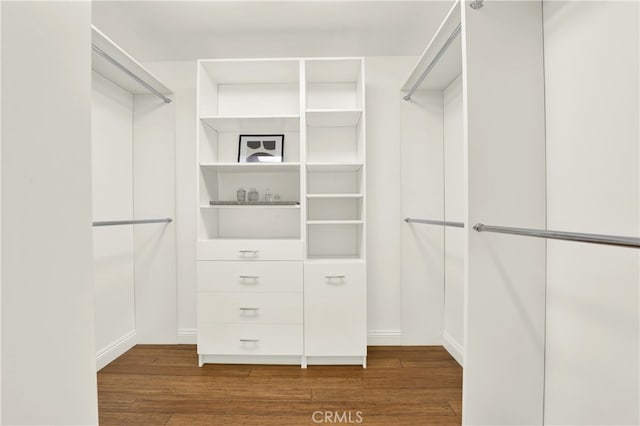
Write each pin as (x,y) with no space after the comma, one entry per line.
(282,282)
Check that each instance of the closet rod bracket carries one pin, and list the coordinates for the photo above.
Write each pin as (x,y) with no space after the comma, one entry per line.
(476,4)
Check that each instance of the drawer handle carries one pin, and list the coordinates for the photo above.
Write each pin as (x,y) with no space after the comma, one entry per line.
(249,309)
(334,277)
(249,253)
(249,277)
(249,340)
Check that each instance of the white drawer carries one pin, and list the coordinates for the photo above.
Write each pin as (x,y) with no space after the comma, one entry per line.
(262,308)
(250,276)
(249,339)
(250,249)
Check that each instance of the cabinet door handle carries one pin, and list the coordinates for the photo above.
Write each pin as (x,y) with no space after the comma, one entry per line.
(249,340)
(248,253)
(335,277)
(249,277)
(249,309)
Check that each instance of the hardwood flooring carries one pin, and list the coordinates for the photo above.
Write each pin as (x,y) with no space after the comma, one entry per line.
(163,385)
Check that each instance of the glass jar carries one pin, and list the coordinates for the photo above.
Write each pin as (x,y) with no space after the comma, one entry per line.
(241,195)
(267,195)
(253,195)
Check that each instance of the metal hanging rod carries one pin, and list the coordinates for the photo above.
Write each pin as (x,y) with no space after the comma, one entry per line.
(435,222)
(433,63)
(129,73)
(612,240)
(131,222)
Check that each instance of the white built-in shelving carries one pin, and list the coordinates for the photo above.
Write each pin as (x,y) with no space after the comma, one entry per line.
(318,106)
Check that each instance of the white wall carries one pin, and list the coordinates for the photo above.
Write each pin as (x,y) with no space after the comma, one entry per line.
(422,189)
(592,374)
(454,210)
(384,76)
(48,356)
(112,168)
(154,189)
(181,77)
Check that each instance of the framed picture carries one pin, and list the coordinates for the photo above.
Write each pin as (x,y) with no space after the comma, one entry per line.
(261,149)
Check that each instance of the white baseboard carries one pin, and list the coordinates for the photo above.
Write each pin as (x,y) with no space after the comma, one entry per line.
(187,336)
(453,347)
(384,338)
(110,352)
(337,360)
(250,359)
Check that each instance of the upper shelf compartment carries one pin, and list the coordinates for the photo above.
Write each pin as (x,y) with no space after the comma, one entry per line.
(249,88)
(333,118)
(116,65)
(334,84)
(232,124)
(441,61)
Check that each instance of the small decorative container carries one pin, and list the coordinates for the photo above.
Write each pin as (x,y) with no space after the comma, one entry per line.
(241,195)
(253,195)
(267,196)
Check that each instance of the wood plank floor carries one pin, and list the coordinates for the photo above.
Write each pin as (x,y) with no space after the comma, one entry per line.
(163,385)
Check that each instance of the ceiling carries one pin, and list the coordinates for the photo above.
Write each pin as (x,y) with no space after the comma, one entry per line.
(184,30)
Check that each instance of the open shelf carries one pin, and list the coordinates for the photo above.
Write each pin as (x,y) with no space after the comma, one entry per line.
(251,206)
(251,71)
(331,196)
(335,145)
(334,210)
(335,179)
(283,123)
(220,183)
(334,259)
(204,240)
(335,222)
(333,239)
(334,167)
(249,222)
(240,88)
(333,118)
(334,84)
(252,167)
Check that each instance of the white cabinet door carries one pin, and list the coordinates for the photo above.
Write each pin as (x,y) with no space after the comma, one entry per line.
(335,309)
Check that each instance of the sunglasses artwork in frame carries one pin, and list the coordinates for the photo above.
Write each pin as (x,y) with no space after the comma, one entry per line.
(260,149)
